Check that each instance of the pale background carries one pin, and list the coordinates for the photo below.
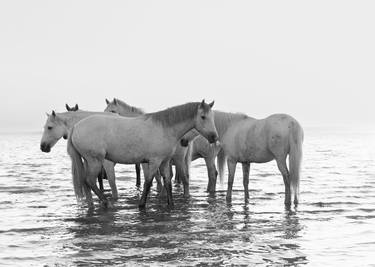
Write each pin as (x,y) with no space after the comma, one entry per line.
(314,60)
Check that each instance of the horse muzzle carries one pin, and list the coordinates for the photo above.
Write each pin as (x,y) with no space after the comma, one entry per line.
(45,147)
(212,138)
(184,142)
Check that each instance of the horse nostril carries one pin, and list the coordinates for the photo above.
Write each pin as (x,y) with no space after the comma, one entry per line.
(184,142)
(45,147)
(211,138)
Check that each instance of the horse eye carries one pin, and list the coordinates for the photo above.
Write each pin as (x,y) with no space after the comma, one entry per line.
(49,127)
(113,111)
(203,117)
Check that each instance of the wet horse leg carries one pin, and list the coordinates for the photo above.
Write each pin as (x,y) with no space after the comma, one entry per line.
(231,171)
(109,168)
(93,168)
(212,174)
(183,174)
(100,180)
(167,177)
(281,164)
(246,173)
(138,173)
(149,170)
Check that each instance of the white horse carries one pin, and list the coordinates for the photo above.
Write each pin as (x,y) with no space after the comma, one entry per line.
(59,125)
(125,110)
(149,139)
(122,108)
(246,140)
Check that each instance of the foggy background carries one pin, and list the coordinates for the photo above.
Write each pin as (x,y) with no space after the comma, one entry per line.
(312,60)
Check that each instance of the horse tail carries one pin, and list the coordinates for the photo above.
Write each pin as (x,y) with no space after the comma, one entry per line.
(78,170)
(221,164)
(295,157)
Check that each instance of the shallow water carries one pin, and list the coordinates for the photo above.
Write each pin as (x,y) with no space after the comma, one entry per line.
(42,224)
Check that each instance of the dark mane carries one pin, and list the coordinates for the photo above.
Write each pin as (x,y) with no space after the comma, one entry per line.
(130,108)
(173,115)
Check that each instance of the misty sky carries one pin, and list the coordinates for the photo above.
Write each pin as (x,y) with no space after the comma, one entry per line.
(314,60)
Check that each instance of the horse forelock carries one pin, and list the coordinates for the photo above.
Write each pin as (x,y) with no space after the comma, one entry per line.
(173,115)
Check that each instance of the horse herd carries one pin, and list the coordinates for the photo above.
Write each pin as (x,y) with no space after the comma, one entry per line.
(174,136)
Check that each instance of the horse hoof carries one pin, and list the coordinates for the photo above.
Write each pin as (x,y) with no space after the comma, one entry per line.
(107,204)
(286,203)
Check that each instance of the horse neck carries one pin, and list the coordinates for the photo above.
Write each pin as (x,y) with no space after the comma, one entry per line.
(224,120)
(179,129)
(71,118)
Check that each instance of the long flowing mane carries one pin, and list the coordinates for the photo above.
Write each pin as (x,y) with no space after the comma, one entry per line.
(224,119)
(129,108)
(173,115)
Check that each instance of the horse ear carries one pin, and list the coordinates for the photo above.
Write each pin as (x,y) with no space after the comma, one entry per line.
(47,114)
(211,104)
(67,107)
(202,103)
(115,101)
(76,107)
(107,101)
(53,113)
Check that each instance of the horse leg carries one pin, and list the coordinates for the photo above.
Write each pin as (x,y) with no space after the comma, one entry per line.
(246,173)
(100,180)
(167,177)
(149,172)
(87,189)
(183,176)
(109,168)
(94,167)
(159,186)
(281,164)
(138,173)
(231,171)
(212,174)
(177,178)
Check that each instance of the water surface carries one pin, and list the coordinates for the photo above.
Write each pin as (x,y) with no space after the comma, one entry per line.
(42,224)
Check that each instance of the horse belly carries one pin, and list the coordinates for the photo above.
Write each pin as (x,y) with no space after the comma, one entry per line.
(248,146)
(127,151)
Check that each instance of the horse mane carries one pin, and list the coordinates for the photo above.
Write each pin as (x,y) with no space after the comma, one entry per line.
(224,119)
(130,108)
(176,114)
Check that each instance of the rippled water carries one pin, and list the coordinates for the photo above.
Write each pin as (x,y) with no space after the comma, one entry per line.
(41,223)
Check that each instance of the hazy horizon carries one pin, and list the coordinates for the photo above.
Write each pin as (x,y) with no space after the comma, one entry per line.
(312,60)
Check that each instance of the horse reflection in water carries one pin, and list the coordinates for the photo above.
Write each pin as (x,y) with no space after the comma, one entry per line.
(204,230)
